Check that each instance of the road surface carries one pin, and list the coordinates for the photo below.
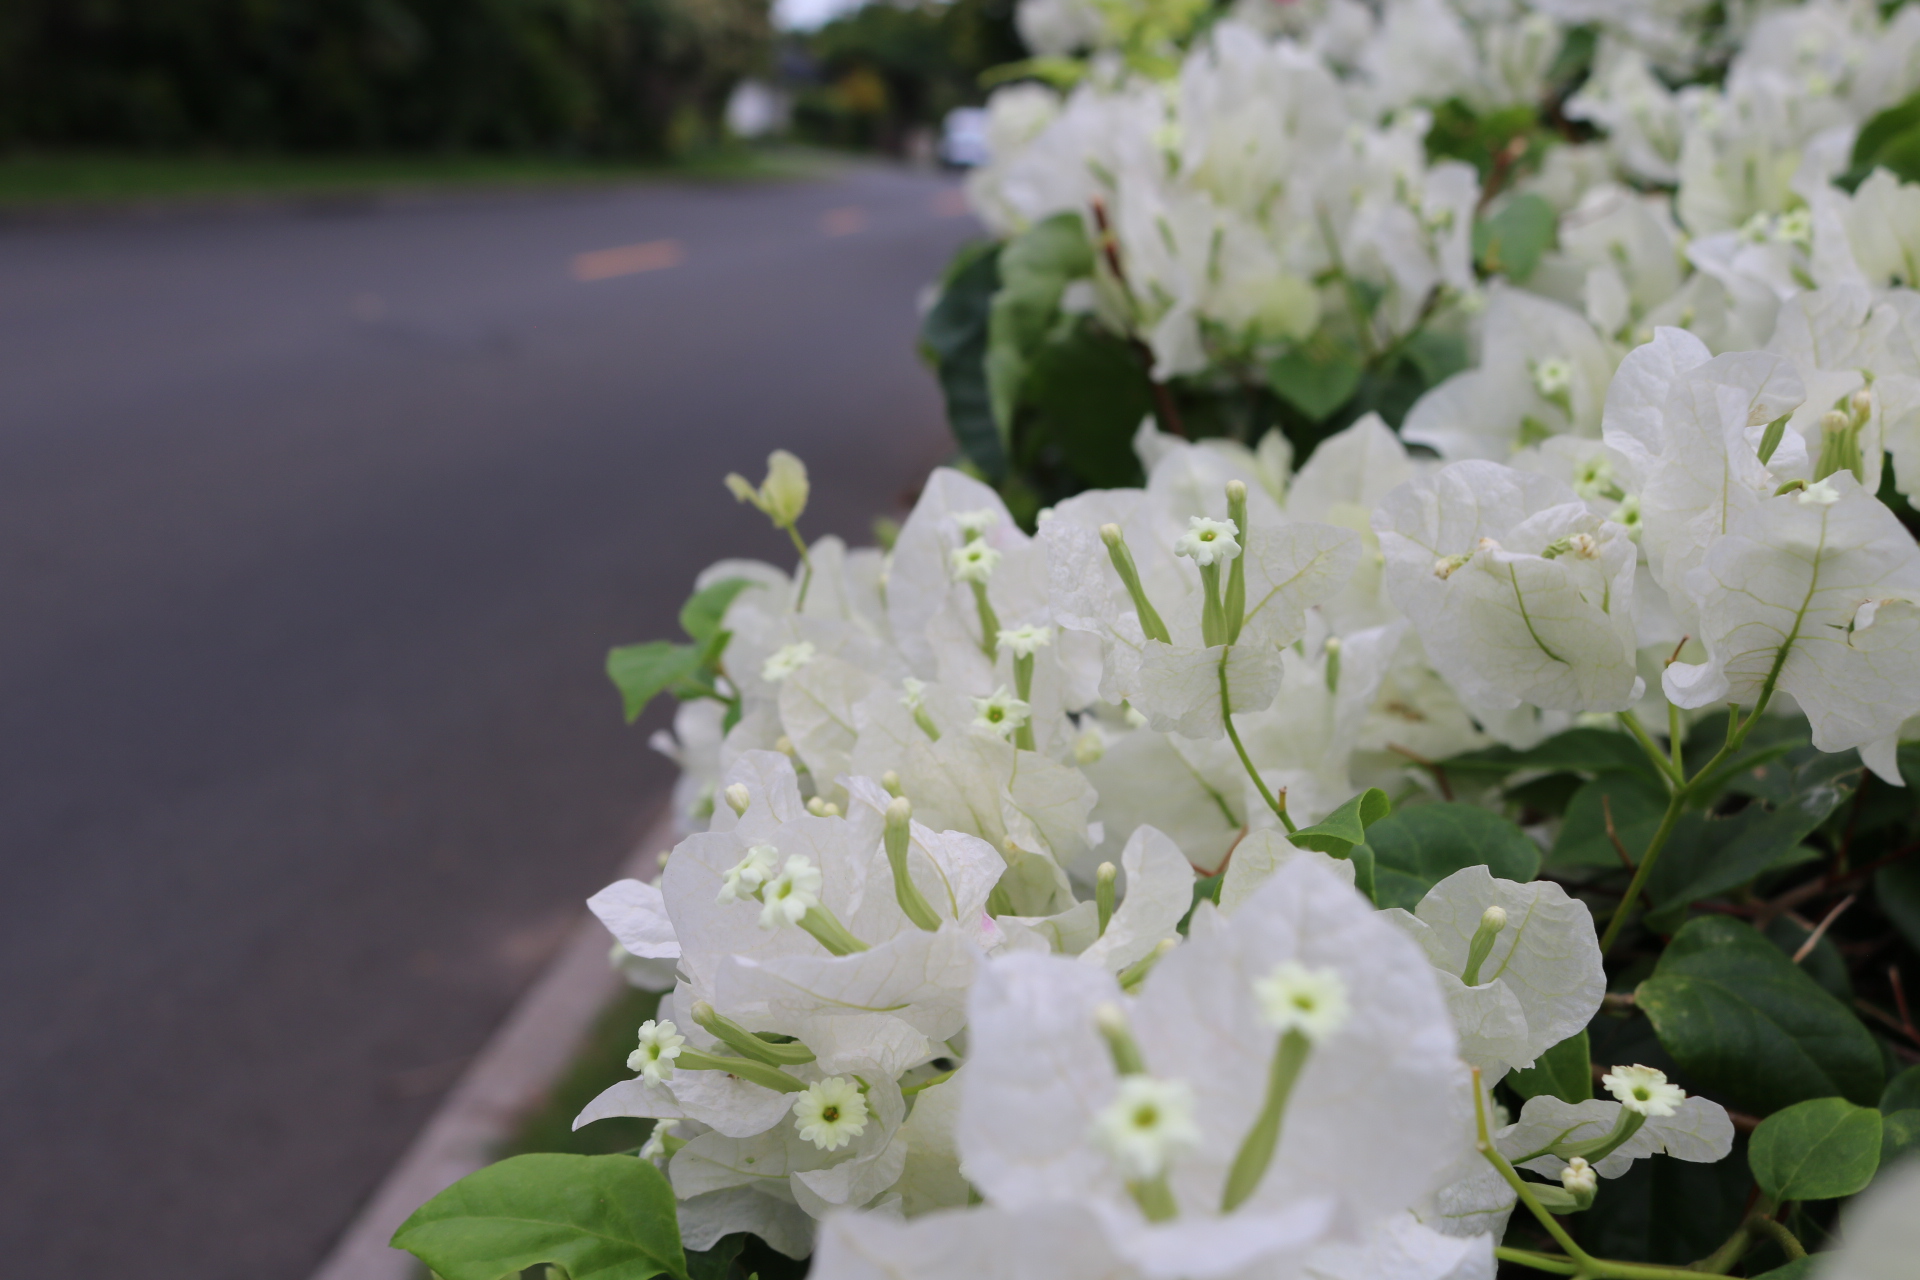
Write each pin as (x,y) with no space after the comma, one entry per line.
(315,526)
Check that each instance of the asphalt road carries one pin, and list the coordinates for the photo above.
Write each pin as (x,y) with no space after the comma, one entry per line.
(315,526)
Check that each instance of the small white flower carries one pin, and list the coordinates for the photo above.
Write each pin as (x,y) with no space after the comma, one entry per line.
(1147,1124)
(1208,541)
(1553,378)
(1311,1001)
(1090,747)
(659,1046)
(655,1147)
(791,894)
(746,876)
(1579,1177)
(1644,1090)
(974,524)
(1818,494)
(831,1113)
(1795,227)
(974,562)
(1000,714)
(913,693)
(1022,641)
(785,661)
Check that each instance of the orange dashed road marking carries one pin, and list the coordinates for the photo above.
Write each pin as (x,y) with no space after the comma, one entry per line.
(844,221)
(627,260)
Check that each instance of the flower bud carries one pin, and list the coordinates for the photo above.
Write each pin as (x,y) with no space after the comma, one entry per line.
(891,782)
(782,496)
(1861,403)
(1103,893)
(738,798)
(1579,1177)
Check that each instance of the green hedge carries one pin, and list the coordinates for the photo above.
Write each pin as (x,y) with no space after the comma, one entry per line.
(581,75)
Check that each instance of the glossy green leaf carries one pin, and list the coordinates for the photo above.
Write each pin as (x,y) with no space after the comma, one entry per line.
(1666,1210)
(1889,140)
(1564,1071)
(1824,963)
(595,1217)
(718,1262)
(1746,1024)
(1899,1135)
(1637,805)
(1418,847)
(1902,1092)
(1316,378)
(1896,888)
(700,616)
(1708,855)
(955,334)
(1820,1149)
(643,671)
(1346,826)
(1511,241)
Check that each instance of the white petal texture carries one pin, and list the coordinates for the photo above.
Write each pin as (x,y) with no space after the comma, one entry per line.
(1519,592)
(1542,980)
(1699,1131)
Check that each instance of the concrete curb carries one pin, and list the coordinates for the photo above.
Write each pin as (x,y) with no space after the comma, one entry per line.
(509,1079)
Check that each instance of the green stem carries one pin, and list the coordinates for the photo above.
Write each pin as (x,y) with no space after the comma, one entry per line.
(1226,715)
(1777,1232)
(746,1043)
(1593,1268)
(1673,740)
(1023,689)
(1676,803)
(989,622)
(1257,1148)
(1213,614)
(1235,604)
(806,578)
(1514,1180)
(829,932)
(767,1077)
(1675,776)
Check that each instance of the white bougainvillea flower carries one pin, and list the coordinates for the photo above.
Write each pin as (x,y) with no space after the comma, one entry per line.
(1158,894)
(659,1046)
(1518,591)
(787,660)
(1813,593)
(744,878)
(974,562)
(1147,1124)
(790,894)
(1024,642)
(1294,997)
(1644,1090)
(831,1113)
(1688,1128)
(1000,713)
(1369,1122)
(1539,981)
(1208,542)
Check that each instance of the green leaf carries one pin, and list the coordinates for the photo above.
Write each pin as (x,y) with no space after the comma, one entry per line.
(643,671)
(1896,889)
(1583,750)
(700,616)
(1089,393)
(1419,847)
(1511,241)
(1666,1210)
(955,332)
(1035,268)
(1902,1092)
(1899,1135)
(1711,855)
(595,1217)
(717,1263)
(1824,964)
(1798,1269)
(1890,140)
(1316,378)
(1820,1149)
(1346,826)
(1564,1072)
(1637,806)
(1743,1022)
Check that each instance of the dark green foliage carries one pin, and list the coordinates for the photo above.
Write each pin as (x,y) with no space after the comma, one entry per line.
(955,337)
(1747,1024)
(1667,1211)
(1562,1071)
(1417,848)
(1890,140)
(580,75)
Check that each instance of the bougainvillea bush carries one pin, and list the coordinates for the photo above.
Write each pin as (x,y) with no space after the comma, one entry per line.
(1390,755)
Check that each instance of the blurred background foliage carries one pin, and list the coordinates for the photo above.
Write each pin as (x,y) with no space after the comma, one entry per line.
(584,76)
(632,78)
(876,76)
